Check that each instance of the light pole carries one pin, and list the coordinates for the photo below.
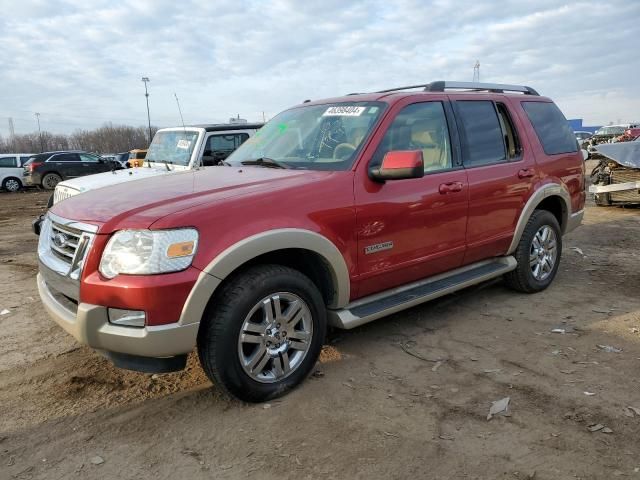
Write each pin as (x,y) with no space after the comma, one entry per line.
(146,94)
(39,132)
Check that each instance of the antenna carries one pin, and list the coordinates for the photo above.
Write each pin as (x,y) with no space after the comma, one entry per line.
(184,129)
(179,110)
(476,72)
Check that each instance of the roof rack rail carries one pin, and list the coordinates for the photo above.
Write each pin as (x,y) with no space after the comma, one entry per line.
(441,86)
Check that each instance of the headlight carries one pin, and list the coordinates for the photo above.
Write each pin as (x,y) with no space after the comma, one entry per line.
(145,252)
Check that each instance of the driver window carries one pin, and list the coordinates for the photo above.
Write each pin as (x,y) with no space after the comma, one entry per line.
(419,126)
(220,146)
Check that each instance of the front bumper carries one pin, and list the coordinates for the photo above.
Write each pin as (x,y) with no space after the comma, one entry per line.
(89,325)
(615,187)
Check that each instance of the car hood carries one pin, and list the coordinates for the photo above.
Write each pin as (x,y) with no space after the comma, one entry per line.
(626,154)
(141,203)
(99,180)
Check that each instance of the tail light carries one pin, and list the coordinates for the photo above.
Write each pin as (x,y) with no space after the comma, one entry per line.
(32,166)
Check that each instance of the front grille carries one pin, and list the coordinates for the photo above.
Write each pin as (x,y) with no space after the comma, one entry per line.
(62,250)
(62,193)
(625,175)
(64,242)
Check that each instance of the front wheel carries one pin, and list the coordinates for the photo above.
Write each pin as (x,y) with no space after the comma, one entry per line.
(262,334)
(537,254)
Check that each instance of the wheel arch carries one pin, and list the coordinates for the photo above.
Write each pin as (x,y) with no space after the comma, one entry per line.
(309,252)
(554,198)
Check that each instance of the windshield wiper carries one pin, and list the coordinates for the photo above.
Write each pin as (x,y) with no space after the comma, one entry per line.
(265,162)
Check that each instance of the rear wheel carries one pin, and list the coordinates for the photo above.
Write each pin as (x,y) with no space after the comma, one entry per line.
(262,334)
(538,254)
(11,184)
(50,180)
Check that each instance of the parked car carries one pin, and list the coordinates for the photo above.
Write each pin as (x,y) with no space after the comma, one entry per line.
(11,170)
(172,150)
(47,169)
(337,212)
(136,157)
(582,136)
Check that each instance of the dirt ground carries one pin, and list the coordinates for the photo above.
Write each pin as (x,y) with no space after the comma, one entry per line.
(404,397)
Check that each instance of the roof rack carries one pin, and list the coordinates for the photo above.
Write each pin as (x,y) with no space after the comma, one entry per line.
(441,86)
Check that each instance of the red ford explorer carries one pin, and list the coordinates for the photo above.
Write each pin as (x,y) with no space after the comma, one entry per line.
(337,212)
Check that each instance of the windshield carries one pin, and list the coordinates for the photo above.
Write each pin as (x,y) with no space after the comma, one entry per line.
(610,131)
(174,147)
(315,137)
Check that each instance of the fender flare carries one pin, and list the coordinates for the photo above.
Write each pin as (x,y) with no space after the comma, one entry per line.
(251,247)
(548,190)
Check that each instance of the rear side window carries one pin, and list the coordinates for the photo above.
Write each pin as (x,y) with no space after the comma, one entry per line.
(552,128)
(65,157)
(7,162)
(482,131)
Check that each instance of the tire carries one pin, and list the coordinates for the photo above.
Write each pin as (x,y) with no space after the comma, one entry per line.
(246,352)
(50,180)
(11,184)
(538,261)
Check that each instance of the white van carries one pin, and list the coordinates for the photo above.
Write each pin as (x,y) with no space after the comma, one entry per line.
(11,170)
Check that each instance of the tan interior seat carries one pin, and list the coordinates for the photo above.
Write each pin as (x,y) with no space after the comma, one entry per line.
(423,136)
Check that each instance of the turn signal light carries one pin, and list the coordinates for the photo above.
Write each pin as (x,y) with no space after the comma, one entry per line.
(180,249)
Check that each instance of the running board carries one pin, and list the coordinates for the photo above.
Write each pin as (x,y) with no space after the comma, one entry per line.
(382,304)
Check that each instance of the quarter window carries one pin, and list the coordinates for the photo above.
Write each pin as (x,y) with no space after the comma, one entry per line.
(7,162)
(420,126)
(551,127)
(484,142)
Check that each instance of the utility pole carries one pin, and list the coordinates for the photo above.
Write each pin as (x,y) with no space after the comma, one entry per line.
(476,71)
(146,94)
(39,132)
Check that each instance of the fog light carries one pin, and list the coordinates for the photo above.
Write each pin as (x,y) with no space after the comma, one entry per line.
(130,318)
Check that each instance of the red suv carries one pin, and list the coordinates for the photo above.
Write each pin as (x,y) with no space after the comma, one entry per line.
(337,212)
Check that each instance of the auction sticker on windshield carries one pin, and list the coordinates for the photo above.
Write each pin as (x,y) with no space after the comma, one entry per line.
(344,111)
(185,144)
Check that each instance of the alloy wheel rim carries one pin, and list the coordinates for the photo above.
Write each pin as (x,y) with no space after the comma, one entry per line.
(275,337)
(51,182)
(12,185)
(543,253)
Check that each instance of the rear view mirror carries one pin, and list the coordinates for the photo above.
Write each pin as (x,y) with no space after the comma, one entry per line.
(399,165)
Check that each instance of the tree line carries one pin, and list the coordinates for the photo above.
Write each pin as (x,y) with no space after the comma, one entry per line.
(108,138)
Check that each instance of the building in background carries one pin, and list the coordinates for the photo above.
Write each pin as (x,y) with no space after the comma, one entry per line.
(576,125)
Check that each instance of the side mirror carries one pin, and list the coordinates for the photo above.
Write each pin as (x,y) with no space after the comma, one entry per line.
(399,165)
(585,154)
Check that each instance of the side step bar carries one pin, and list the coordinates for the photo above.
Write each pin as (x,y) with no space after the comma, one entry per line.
(382,304)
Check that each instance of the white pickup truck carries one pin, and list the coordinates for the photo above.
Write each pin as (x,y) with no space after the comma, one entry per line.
(172,149)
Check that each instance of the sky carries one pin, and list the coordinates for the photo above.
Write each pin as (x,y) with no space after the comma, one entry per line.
(79,63)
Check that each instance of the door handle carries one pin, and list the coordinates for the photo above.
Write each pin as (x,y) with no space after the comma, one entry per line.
(526,172)
(450,187)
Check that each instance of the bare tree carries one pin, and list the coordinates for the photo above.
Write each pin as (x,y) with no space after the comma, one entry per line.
(108,138)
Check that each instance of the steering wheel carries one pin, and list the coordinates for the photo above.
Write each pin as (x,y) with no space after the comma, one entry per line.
(345,148)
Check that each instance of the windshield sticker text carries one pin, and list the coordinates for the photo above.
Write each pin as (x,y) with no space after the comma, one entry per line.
(185,144)
(344,111)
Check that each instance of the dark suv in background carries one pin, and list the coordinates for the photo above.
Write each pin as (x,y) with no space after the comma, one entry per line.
(47,169)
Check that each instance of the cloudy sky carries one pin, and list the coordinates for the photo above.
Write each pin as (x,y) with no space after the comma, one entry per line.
(79,62)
